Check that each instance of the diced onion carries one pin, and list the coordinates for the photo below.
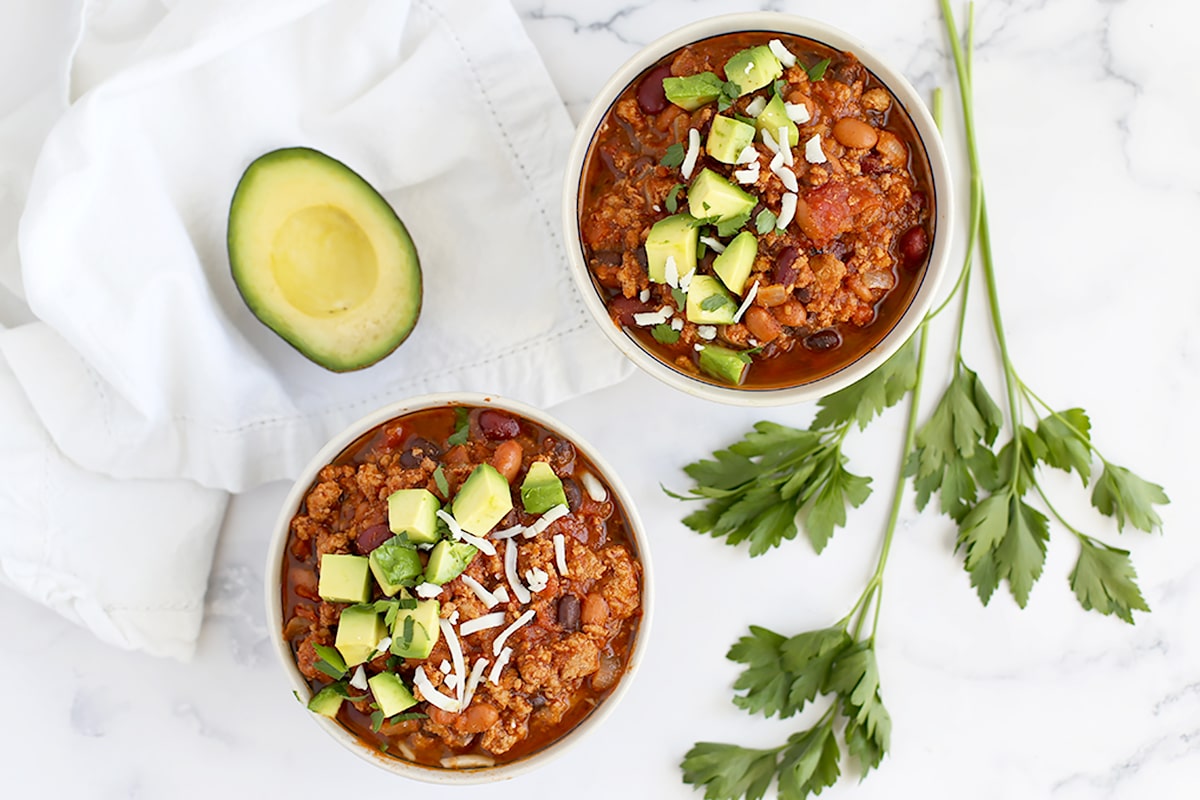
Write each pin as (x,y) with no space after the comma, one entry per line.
(510,572)
(445,667)
(677,324)
(456,656)
(785,56)
(693,152)
(432,695)
(797,112)
(473,679)
(427,590)
(787,210)
(813,153)
(756,106)
(494,620)
(644,295)
(560,554)
(522,620)
(594,488)
(644,319)
(746,303)
(451,682)
(505,655)
(487,598)
(483,545)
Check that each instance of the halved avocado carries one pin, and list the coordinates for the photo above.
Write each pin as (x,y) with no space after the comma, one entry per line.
(322,259)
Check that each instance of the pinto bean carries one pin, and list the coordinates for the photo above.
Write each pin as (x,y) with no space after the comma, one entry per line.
(762,324)
(855,133)
(507,459)
(478,718)
(791,313)
(595,610)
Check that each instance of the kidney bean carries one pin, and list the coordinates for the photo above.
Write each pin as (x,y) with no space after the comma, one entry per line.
(872,164)
(372,537)
(651,96)
(625,307)
(823,340)
(418,450)
(803,294)
(568,612)
(913,246)
(507,459)
(496,425)
(762,324)
(855,133)
(595,610)
(785,271)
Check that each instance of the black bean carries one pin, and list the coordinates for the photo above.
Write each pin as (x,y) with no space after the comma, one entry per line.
(803,294)
(417,451)
(496,425)
(574,496)
(568,612)
(823,340)
(611,257)
(563,454)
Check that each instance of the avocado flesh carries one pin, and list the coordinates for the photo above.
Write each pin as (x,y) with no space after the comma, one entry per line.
(322,259)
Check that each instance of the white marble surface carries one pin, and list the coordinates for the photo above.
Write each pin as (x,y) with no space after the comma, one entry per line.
(1087,113)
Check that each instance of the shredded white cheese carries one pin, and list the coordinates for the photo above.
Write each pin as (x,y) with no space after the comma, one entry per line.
(508,533)
(432,695)
(746,176)
(427,590)
(520,622)
(473,680)
(748,155)
(787,178)
(537,579)
(466,761)
(756,106)
(693,152)
(644,295)
(671,272)
(677,324)
(547,519)
(785,145)
(382,645)
(707,332)
(656,207)
(746,303)
(797,112)
(501,594)
(487,598)
(593,486)
(505,655)
(648,318)
(453,617)
(493,620)
(699,348)
(787,210)
(713,244)
(510,572)
(769,141)
(359,679)
(456,530)
(483,545)
(813,153)
(777,161)
(456,656)
(685,281)
(560,554)
(785,56)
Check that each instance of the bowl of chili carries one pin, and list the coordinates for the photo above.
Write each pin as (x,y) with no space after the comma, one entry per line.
(458,588)
(758,209)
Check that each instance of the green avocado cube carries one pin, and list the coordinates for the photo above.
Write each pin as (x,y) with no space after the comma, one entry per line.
(712,197)
(359,631)
(724,364)
(727,138)
(327,701)
(675,237)
(733,266)
(344,579)
(542,490)
(391,695)
(773,117)
(708,303)
(416,630)
(753,68)
(414,512)
(482,501)
(395,564)
(692,91)
(447,560)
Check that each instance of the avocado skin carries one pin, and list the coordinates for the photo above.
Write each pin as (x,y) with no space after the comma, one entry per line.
(237,230)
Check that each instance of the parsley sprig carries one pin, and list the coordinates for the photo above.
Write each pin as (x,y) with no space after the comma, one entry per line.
(764,488)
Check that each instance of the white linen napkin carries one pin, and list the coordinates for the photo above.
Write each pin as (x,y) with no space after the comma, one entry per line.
(144,372)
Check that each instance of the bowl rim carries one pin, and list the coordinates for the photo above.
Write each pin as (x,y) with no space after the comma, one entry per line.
(942,188)
(274,602)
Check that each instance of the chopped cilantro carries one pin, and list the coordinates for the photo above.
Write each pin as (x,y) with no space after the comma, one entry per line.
(817,71)
(439,477)
(462,428)
(376,721)
(407,635)
(780,85)
(714,302)
(679,297)
(731,226)
(730,91)
(664,333)
(674,156)
(672,200)
(765,221)
(330,661)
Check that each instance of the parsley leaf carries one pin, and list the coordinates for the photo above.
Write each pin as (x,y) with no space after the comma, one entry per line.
(863,400)
(817,71)
(462,427)
(674,155)
(1067,436)
(1104,580)
(764,223)
(672,200)
(1127,498)
(728,772)
(663,333)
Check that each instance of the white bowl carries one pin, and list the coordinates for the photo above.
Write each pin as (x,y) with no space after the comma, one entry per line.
(943,204)
(274,568)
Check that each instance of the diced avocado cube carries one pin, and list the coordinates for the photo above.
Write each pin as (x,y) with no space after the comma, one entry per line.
(727,138)
(712,197)
(692,91)
(416,630)
(391,695)
(542,490)
(327,701)
(674,237)
(773,117)
(414,512)
(447,560)
(395,564)
(724,364)
(344,579)
(360,629)
(708,303)
(753,68)
(733,266)
(482,500)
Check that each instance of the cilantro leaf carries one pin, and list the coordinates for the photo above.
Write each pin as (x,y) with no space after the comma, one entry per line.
(730,91)
(663,333)
(729,772)
(728,227)
(764,223)
(714,302)
(779,86)
(462,427)
(1125,497)
(680,298)
(674,155)
(1104,579)
(817,71)
(672,201)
